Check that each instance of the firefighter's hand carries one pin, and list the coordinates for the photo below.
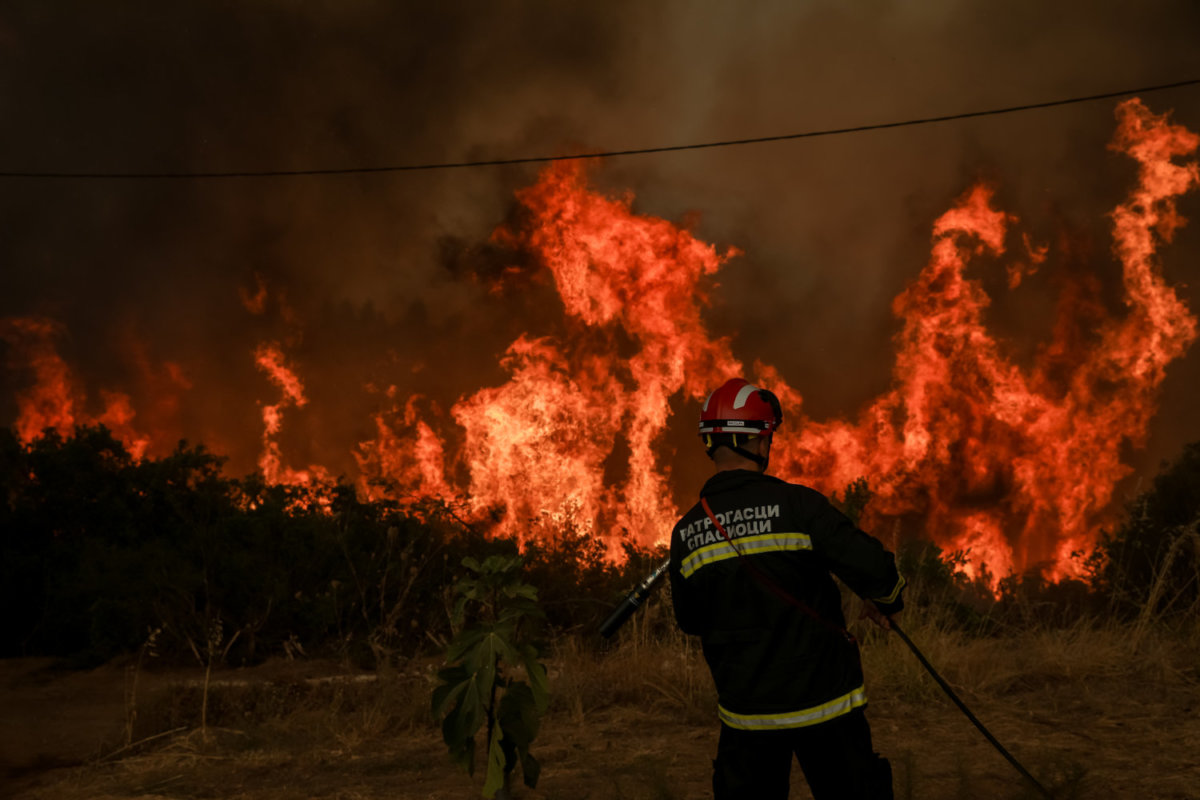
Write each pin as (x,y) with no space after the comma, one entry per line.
(875,615)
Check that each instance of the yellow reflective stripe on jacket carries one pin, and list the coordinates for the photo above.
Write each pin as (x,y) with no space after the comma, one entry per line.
(891,598)
(796,719)
(760,543)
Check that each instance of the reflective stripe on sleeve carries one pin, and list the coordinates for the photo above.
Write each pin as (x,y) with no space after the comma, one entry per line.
(761,543)
(891,598)
(796,719)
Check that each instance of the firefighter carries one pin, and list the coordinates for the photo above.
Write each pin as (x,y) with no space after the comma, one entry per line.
(750,575)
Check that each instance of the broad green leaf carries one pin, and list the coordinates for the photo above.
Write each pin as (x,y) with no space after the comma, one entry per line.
(519,714)
(485,677)
(466,717)
(463,754)
(539,682)
(452,674)
(521,721)
(520,590)
(455,682)
(482,650)
(495,763)
(499,643)
(520,607)
(531,770)
(459,612)
(479,687)
(463,643)
(460,742)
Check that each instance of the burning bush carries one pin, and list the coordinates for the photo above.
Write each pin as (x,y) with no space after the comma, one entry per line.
(99,549)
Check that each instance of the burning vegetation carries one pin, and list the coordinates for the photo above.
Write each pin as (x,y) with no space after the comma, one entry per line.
(1014,465)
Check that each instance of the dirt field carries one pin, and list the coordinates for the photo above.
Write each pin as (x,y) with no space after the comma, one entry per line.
(286,730)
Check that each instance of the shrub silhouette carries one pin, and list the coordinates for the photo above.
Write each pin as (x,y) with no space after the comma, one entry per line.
(1150,565)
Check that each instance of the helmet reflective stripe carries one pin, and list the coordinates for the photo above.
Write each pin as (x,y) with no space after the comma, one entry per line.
(742,396)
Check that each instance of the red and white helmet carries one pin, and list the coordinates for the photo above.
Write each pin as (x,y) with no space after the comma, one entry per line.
(739,406)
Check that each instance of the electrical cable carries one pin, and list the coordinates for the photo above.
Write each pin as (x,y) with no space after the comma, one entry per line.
(427,167)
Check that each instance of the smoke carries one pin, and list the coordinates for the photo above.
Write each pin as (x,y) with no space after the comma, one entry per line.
(381,280)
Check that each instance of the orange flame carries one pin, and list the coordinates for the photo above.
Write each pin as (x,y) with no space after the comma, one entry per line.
(393,461)
(1016,466)
(539,450)
(1013,467)
(270,359)
(55,401)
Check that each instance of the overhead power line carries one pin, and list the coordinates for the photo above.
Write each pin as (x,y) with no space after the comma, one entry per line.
(496,162)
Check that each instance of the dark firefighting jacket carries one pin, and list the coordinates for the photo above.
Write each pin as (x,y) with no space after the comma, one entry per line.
(775,666)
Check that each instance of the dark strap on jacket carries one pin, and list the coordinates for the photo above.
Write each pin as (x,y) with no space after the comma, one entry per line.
(770,585)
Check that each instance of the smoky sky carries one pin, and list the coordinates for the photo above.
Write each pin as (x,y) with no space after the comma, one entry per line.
(391,279)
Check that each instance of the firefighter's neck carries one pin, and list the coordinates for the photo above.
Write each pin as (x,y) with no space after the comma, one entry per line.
(725,459)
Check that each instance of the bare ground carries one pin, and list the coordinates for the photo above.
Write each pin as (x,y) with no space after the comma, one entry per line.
(284,731)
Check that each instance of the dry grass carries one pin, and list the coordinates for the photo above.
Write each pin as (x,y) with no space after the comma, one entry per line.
(665,675)
(1085,707)
(1087,653)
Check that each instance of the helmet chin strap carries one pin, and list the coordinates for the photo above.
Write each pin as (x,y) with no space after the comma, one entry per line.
(761,461)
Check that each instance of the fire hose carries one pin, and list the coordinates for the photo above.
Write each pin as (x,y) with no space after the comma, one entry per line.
(633,601)
(625,609)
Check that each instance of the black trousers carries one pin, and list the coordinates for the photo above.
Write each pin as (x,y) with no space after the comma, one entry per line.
(836,757)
